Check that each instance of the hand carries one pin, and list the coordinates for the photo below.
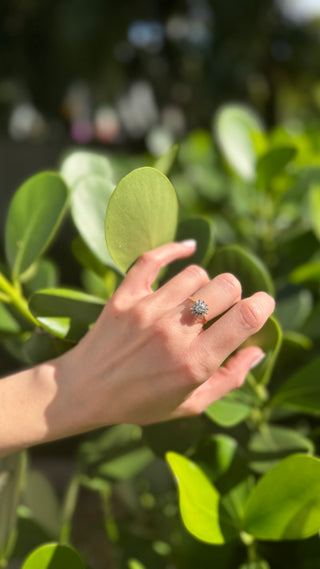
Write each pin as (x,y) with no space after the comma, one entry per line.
(148,359)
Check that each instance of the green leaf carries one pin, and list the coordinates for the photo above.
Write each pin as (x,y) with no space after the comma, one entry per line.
(196,228)
(141,215)
(237,129)
(272,443)
(126,466)
(89,200)
(198,500)
(40,498)
(293,309)
(273,162)
(83,163)
(314,208)
(255,565)
(35,213)
(12,469)
(302,390)
(165,162)
(304,273)
(8,324)
(54,556)
(269,338)
(311,326)
(45,275)
(65,313)
(230,410)
(248,268)
(285,504)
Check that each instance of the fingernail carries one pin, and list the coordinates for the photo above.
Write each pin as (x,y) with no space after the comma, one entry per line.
(257,360)
(189,243)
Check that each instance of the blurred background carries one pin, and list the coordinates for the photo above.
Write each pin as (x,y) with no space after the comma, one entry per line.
(140,75)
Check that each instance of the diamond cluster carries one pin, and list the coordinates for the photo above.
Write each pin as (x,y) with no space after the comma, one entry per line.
(199,308)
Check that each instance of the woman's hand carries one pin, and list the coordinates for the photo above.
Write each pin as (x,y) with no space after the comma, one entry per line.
(148,359)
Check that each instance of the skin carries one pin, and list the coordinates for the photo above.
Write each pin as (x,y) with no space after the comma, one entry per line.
(146,359)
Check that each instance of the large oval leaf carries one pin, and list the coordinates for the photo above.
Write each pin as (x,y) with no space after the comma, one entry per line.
(83,163)
(34,216)
(54,556)
(285,504)
(89,200)
(302,390)
(237,129)
(65,313)
(248,268)
(272,443)
(198,500)
(141,215)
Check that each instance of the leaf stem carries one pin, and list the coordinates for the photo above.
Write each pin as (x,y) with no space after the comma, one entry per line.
(16,298)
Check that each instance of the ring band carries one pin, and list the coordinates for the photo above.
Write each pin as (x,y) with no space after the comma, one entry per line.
(199,308)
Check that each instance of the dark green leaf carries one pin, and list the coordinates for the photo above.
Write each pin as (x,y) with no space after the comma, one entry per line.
(272,443)
(273,162)
(248,268)
(34,215)
(12,469)
(39,496)
(302,390)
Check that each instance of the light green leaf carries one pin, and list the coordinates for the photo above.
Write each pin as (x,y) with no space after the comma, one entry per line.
(302,390)
(54,556)
(12,469)
(314,208)
(248,268)
(198,500)
(89,200)
(65,313)
(285,504)
(273,162)
(35,213)
(45,275)
(165,162)
(261,564)
(83,163)
(141,215)
(230,410)
(272,443)
(304,273)
(237,129)
(40,498)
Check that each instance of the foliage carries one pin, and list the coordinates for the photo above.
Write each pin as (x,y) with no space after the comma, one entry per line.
(247,469)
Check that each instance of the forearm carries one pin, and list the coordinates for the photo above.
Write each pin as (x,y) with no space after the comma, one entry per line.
(36,407)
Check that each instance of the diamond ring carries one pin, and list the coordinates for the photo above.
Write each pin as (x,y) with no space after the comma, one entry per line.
(199,308)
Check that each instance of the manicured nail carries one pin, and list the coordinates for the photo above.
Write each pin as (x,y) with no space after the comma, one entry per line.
(258,360)
(189,243)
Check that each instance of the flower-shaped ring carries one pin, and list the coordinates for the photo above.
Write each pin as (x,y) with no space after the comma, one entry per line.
(199,308)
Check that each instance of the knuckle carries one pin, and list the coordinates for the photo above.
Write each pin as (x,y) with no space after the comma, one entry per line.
(251,314)
(116,305)
(198,273)
(232,283)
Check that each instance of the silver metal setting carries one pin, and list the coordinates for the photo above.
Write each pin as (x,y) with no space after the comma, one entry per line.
(199,308)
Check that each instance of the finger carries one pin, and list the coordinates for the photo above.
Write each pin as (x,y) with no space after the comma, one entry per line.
(213,346)
(225,379)
(180,287)
(219,294)
(145,270)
